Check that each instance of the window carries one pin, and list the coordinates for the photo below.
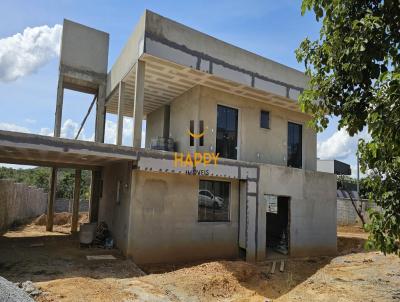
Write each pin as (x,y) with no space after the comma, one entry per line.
(264,119)
(201,130)
(213,200)
(191,131)
(294,145)
(227,132)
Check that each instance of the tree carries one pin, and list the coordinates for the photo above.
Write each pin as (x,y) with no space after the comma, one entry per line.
(354,70)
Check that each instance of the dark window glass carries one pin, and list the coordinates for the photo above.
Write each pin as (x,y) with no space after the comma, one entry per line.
(264,119)
(191,131)
(201,130)
(294,145)
(213,200)
(227,127)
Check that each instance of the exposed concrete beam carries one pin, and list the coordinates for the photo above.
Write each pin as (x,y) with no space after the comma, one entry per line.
(138,104)
(121,107)
(75,205)
(100,114)
(95,193)
(42,163)
(51,198)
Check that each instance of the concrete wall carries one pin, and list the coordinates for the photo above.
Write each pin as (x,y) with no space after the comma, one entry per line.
(65,205)
(312,209)
(346,214)
(155,125)
(19,201)
(132,50)
(84,48)
(255,144)
(116,212)
(164,221)
(175,42)
(184,109)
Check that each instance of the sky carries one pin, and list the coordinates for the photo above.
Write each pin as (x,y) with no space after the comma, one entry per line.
(29,49)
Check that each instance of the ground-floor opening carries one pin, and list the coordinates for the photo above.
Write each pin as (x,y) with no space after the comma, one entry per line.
(278,226)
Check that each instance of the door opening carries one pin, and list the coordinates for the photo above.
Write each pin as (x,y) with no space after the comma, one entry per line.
(277,227)
(227,132)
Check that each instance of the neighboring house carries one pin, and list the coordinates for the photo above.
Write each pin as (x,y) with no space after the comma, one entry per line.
(333,166)
(200,97)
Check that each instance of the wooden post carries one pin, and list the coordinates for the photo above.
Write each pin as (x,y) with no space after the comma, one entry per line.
(51,198)
(75,205)
(121,104)
(138,104)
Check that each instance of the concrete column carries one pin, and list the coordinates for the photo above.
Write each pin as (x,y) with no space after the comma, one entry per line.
(251,245)
(51,198)
(121,105)
(95,193)
(138,104)
(100,114)
(75,205)
(59,107)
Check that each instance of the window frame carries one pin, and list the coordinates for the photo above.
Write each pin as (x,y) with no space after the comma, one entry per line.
(228,220)
(269,119)
(301,147)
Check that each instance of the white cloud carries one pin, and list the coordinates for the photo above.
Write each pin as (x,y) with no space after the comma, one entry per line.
(110,136)
(24,53)
(340,145)
(13,127)
(70,129)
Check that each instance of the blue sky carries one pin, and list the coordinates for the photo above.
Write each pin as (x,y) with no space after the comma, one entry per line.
(273,29)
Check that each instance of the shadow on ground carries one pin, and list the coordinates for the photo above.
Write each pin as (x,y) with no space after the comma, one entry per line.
(48,257)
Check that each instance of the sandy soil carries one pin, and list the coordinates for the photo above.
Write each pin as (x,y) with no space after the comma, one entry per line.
(60,268)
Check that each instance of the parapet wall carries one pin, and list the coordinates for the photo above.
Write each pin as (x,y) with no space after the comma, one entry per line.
(19,201)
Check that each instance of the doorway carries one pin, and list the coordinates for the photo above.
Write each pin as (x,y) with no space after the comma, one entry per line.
(278,227)
(227,132)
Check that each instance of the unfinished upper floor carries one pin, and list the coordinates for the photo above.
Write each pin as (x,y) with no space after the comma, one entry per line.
(196,93)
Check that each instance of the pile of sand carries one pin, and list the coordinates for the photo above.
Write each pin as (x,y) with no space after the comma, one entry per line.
(63,218)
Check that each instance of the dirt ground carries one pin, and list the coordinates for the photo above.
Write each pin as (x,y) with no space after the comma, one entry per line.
(56,264)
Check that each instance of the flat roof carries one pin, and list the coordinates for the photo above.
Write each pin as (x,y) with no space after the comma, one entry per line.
(40,150)
(179,58)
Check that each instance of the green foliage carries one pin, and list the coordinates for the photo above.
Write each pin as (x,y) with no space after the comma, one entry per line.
(39,177)
(354,70)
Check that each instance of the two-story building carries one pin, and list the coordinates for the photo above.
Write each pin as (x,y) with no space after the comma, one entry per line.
(229,164)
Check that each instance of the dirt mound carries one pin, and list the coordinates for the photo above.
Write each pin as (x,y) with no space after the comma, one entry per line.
(63,218)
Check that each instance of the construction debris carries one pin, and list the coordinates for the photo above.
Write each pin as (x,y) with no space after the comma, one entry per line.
(282,266)
(101,257)
(12,293)
(29,288)
(273,267)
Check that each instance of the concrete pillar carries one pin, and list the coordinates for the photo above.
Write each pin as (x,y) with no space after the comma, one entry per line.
(121,105)
(100,114)
(51,198)
(59,107)
(138,104)
(251,245)
(75,205)
(95,193)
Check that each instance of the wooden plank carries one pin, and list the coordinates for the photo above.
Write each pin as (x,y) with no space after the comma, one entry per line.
(51,197)
(282,266)
(273,267)
(75,205)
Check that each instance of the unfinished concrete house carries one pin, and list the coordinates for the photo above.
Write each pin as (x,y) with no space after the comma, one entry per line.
(229,166)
